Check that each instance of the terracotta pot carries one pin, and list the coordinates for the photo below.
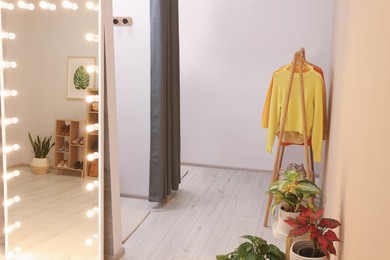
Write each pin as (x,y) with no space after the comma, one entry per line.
(297,246)
(283,215)
(40,165)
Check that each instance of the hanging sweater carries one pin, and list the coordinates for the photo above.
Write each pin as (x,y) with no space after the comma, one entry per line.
(313,92)
(265,116)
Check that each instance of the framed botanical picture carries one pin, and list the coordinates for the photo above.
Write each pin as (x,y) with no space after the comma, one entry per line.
(79,80)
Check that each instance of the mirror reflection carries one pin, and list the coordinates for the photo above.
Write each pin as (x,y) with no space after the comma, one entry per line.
(51,213)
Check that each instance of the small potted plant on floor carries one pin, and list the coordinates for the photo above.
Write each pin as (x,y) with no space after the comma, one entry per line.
(292,191)
(40,164)
(320,245)
(257,248)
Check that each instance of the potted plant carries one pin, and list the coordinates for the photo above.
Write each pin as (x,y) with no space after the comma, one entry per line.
(320,245)
(40,164)
(292,190)
(257,248)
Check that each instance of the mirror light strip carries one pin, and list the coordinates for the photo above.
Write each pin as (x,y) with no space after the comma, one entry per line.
(7,6)
(27,6)
(7,35)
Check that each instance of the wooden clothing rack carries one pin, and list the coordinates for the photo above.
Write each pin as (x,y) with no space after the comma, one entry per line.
(298,62)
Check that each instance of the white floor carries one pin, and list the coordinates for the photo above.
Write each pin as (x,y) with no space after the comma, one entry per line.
(52,212)
(206,217)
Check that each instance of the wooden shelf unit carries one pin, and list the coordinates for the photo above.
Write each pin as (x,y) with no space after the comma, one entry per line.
(91,138)
(75,152)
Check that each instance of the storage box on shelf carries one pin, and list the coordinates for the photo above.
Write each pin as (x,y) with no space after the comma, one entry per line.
(69,149)
(92,138)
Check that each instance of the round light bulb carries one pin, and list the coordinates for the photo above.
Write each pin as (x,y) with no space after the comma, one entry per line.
(89,242)
(18,224)
(16,147)
(90,213)
(92,37)
(91,99)
(90,186)
(16,199)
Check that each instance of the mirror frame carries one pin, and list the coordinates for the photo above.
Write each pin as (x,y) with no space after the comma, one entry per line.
(4,243)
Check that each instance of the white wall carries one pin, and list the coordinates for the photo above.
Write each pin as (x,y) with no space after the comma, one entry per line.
(132,63)
(229,49)
(44,40)
(357,176)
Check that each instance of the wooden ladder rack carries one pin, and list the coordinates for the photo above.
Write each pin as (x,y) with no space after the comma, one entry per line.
(299,60)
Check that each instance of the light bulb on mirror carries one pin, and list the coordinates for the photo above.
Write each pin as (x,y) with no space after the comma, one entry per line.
(94,98)
(27,6)
(8,64)
(69,5)
(92,6)
(91,128)
(11,148)
(92,185)
(9,93)
(92,69)
(91,213)
(92,37)
(7,6)
(12,227)
(47,5)
(7,35)
(11,175)
(89,241)
(12,201)
(93,156)
(10,121)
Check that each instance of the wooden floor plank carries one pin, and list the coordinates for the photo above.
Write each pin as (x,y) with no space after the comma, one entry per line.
(212,209)
(52,211)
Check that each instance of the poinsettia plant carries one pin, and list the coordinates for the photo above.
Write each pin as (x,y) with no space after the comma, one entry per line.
(321,235)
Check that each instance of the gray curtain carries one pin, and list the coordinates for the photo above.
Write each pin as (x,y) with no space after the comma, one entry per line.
(165,99)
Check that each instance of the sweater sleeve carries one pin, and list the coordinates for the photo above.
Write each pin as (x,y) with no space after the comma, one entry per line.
(265,117)
(274,115)
(318,122)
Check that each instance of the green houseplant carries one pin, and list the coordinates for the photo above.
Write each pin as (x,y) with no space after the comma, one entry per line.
(256,249)
(41,147)
(322,237)
(291,191)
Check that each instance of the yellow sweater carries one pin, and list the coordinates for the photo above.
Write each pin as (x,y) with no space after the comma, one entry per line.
(313,83)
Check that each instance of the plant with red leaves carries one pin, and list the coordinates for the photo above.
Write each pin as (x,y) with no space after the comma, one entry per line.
(310,221)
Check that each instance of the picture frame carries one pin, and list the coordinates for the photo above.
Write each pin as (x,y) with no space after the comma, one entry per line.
(79,80)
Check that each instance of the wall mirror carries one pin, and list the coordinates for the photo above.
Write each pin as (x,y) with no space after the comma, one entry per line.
(50,87)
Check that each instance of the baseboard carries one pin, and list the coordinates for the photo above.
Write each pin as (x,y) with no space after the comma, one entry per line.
(131,196)
(225,167)
(117,256)
(18,165)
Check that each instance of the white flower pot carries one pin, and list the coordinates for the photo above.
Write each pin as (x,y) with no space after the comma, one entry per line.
(283,215)
(297,245)
(40,165)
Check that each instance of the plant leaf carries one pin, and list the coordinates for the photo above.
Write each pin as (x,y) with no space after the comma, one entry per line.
(329,223)
(324,242)
(330,235)
(331,249)
(274,253)
(299,231)
(291,222)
